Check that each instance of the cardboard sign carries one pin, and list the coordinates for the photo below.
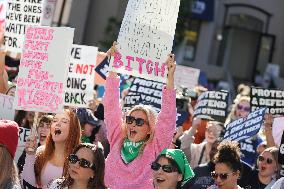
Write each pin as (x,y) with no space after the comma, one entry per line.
(277,129)
(186,76)
(43,69)
(271,98)
(81,72)
(244,128)
(48,9)
(19,14)
(150,92)
(146,38)
(6,107)
(212,104)
(23,135)
(130,101)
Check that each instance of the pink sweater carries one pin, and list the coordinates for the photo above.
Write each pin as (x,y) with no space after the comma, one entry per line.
(138,173)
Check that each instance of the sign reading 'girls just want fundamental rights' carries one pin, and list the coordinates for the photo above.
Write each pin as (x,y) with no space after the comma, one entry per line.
(43,69)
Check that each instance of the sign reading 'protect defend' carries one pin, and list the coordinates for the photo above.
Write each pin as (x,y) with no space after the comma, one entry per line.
(212,104)
(271,98)
(146,38)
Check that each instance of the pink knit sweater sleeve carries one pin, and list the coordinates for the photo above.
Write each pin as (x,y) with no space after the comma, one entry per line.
(112,111)
(166,121)
(28,173)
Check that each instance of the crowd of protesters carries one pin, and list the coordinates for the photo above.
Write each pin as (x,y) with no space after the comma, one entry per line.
(102,147)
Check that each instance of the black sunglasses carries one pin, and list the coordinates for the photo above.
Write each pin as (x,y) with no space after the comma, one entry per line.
(166,168)
(73,158)
(268,160)
(222,176)
(138,121)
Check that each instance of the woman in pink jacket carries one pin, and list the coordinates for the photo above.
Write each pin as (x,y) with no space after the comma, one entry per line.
(139,138)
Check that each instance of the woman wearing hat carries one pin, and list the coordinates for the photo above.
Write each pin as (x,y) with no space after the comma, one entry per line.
(9,134)
(88,123)
(137,140)
(171,170)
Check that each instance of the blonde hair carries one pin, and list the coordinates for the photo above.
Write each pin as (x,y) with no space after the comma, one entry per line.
(151,120)
(10,175)
(274,152)
(232,116)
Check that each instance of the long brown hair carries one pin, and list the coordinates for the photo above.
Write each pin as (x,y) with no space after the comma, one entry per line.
(99,171)
(72,140)
(10,175)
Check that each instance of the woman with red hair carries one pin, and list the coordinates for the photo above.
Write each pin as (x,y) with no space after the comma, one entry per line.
(49,161)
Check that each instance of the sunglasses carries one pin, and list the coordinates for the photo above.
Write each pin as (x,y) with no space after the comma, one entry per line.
(166,168)
(244,108)
(222,176)
(138,121)
(73,158)
(268,160)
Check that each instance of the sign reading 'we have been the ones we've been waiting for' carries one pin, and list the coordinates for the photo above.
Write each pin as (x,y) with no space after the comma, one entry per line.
(146,38)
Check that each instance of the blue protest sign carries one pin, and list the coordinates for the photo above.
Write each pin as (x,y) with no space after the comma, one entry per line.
(244,128)
(102,68)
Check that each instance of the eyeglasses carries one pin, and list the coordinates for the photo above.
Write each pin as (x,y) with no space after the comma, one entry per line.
(222,176)
(268,160)
(166,168)
(244,108)
(138,121)
(73,158)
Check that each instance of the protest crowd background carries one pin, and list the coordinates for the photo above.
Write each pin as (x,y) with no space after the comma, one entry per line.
(129,117)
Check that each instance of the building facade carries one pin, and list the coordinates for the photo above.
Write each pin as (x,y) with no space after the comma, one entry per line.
(231,40)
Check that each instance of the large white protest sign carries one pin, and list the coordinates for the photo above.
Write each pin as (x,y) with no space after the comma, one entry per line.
(146,38)
(6,107)
(81,73)
(273,99)
(186,76)
(19,14)
(244,128)
(43,69)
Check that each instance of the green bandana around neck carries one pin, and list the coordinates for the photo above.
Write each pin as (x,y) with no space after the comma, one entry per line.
(130,150)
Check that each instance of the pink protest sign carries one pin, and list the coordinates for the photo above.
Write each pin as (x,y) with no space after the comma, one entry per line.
(43,69)
(146,38)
